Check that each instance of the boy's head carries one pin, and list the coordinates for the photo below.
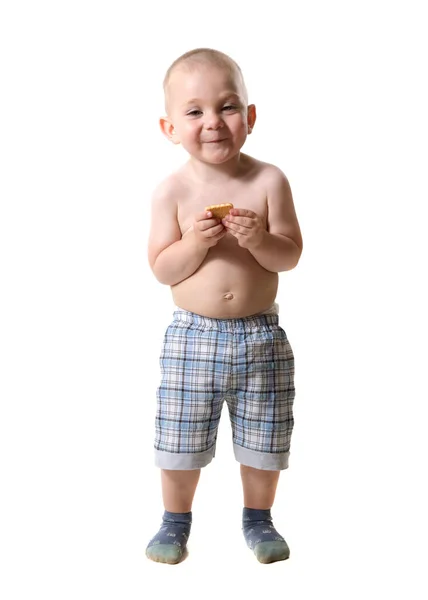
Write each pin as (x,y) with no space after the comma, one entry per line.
(206,104)
(202,57)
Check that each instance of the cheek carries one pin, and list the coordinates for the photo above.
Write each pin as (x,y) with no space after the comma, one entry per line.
(191,130)
(240,124)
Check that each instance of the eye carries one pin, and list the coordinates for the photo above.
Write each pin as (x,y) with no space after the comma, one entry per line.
(194,113)
(230,107)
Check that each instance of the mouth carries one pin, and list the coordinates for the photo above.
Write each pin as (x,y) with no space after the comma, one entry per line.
(215,141)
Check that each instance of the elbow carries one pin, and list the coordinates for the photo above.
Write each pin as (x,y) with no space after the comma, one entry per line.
(294,257)
(161,276)
(158,272)
(162,280)
(164,276)
(298,254)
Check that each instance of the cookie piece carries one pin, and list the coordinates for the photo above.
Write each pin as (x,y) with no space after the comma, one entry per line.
(219,211)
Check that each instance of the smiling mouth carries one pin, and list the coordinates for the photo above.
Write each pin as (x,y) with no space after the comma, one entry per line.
(215,141)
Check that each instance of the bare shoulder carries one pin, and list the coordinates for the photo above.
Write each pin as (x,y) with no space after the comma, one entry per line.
(165,194)
(267,173)
(164,227)
(272,175)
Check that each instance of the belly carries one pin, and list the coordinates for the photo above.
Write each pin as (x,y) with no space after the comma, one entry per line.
(230,283)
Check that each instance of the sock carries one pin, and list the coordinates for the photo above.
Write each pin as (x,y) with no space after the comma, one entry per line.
(262,537)
(169,544)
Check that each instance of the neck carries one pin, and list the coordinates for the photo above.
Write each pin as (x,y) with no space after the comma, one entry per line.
(209,173)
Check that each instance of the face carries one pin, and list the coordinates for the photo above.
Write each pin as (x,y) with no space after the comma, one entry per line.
(208,114)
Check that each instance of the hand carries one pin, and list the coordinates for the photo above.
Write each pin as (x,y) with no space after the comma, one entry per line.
(208,230)
(246,226)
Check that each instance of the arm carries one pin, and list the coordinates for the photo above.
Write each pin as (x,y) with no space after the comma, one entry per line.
(179,261)
(280,247)
(173,257)
(276,252)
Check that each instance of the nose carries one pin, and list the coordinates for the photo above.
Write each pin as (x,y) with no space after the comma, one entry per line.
(213,121)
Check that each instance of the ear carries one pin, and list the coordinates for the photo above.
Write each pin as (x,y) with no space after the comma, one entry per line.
(251,117)
(168,130)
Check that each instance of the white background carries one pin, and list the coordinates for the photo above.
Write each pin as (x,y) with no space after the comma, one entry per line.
(342,109)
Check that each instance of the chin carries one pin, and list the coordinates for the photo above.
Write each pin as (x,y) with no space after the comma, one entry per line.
(220,157)
(218,161)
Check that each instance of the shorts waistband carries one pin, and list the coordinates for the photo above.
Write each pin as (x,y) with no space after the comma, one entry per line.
(245,324)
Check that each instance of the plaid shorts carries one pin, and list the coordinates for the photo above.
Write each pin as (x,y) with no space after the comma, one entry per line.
(246,362)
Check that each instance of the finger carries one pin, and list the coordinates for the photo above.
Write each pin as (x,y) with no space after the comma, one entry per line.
(203,216)
(213,231)
(242,212)
(234,228)
(207,224)
(231,225)
(221,234)
(235,234)
(242,221)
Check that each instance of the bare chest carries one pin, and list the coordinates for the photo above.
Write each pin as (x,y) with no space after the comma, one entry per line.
(190,203)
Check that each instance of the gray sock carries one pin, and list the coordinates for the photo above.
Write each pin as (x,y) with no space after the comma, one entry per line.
(169,544)
(262,537)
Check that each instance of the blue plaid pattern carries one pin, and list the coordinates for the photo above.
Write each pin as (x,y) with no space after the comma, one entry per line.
(246,362)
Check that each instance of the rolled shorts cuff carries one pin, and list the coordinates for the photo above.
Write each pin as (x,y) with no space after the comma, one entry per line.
(175,461)
(261,460)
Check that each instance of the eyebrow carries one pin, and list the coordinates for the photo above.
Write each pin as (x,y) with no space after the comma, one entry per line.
(222,97)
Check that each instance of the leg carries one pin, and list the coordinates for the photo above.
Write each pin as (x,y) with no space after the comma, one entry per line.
(262,423)
(189,403)
(259,489)
(178,490)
